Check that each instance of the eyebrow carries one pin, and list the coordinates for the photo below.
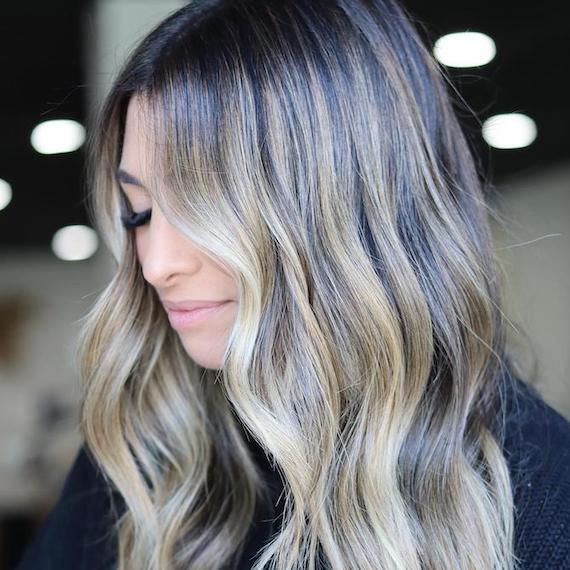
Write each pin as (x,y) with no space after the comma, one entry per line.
(127,178)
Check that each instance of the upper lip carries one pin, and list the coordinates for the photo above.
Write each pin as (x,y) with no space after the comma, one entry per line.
(189,305)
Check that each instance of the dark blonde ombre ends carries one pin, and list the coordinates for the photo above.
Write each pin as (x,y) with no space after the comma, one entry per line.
(312,147)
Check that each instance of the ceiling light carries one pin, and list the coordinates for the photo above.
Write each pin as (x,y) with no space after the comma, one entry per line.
(5,193)
(464,49)
(58,135)
(73,243)
(509,130)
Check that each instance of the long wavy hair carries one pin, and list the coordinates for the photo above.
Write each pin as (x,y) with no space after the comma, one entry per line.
(313,148)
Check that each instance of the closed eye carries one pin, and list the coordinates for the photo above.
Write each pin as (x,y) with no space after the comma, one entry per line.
(136,219)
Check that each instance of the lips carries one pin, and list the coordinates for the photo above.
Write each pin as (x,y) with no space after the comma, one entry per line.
(183,319)
(190,305)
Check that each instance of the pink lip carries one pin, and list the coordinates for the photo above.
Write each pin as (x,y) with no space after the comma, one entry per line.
(189,305)
(187,319)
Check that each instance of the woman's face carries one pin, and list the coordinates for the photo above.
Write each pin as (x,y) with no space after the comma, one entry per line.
(178,271)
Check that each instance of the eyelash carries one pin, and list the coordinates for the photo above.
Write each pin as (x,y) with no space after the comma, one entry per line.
(137,219)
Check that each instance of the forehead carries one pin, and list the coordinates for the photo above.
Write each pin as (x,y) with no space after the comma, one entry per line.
(137,140)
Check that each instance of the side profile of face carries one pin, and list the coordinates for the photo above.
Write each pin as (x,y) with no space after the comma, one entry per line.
(170,262)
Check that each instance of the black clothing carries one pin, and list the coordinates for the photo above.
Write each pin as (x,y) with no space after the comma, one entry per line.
(537,448)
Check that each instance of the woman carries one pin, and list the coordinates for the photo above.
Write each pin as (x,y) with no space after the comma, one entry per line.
(352,402)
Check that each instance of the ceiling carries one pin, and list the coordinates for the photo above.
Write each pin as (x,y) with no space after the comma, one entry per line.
(42,62)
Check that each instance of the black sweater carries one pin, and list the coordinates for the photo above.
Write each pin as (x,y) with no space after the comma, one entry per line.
(537,448)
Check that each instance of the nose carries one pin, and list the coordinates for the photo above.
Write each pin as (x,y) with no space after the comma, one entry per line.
(164,252)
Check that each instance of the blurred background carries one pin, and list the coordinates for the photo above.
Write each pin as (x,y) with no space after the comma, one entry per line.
(507,62)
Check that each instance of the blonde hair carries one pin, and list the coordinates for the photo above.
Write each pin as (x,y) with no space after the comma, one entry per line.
(312,148)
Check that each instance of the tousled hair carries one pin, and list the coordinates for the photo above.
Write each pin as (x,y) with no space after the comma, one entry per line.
(313,148)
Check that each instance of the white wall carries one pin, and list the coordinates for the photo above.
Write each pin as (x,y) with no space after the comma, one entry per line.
(534,249)
(57,294)
(111,30)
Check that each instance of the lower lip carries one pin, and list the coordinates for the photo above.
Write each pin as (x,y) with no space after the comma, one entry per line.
(187,319)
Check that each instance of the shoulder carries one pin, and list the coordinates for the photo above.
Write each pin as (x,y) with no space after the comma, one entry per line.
(74,534)
(537,448)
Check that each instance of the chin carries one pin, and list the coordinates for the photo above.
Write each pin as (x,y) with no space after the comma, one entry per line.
(211,362)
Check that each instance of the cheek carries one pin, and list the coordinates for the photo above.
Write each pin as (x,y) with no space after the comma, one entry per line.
(140,246)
